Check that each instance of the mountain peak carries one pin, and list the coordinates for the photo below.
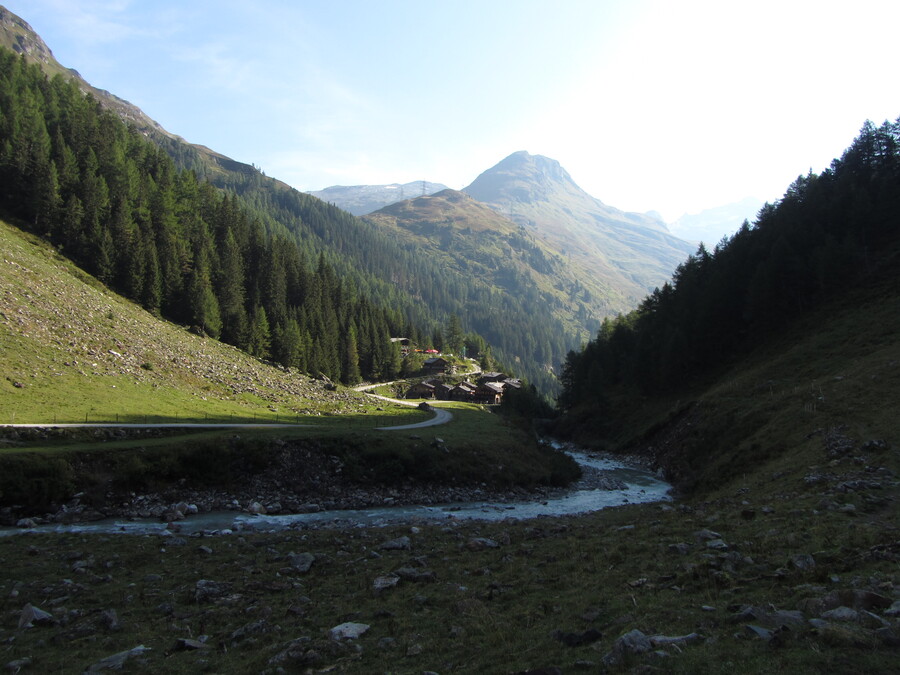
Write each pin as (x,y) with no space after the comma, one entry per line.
(629,252)
(523,177)
(525,158)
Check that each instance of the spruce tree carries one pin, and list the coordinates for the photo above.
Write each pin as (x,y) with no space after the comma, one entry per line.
(350,374)
(259,341)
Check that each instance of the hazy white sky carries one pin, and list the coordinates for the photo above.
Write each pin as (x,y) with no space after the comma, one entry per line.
(649,104)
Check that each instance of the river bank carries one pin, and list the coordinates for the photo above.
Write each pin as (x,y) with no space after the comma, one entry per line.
(262,504)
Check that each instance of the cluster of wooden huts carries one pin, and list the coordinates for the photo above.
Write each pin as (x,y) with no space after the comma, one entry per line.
(489,389)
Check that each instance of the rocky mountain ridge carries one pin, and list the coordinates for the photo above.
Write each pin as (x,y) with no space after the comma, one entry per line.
(362,199)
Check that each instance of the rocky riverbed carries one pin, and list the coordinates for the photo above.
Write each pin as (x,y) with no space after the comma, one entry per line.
(301,481)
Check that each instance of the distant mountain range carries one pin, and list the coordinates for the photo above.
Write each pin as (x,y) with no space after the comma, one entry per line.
(710,225)
(362,199)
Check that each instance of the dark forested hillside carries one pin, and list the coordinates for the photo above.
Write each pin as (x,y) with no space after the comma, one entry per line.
(213,243)
(116,204)
(830,232)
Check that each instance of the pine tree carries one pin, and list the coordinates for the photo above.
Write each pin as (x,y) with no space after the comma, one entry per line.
(455,337)
(204,306)
(229,286)
(350,374)
(288,345)
(259,342)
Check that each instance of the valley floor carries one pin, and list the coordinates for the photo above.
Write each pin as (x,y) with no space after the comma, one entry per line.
(804,578)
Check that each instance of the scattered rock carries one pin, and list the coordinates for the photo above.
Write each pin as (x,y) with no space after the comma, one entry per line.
(256,509)
(481,543)
(758,632)
(772,618)
(666,640)
(301,562)
(117,661)
(633,642)
(841,614)
(206,590)
(31,615)
(399,544)
(385,582)
(348,631)
(258,627)
(296,652)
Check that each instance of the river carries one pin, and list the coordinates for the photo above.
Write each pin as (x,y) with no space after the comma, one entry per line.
(590,493)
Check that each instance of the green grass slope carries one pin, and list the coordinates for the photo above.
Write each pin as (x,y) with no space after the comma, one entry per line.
(70,351)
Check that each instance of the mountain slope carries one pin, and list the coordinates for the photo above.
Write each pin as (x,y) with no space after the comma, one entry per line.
(71,350)
(18,36)
(623,255)
(467,235)
(362,199)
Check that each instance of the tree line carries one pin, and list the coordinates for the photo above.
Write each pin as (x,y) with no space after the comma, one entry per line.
(829,232)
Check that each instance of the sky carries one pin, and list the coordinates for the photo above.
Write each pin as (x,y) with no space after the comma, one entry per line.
(656,105)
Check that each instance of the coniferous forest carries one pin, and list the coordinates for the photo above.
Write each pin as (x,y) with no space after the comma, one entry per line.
(224,249)
(829,233)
